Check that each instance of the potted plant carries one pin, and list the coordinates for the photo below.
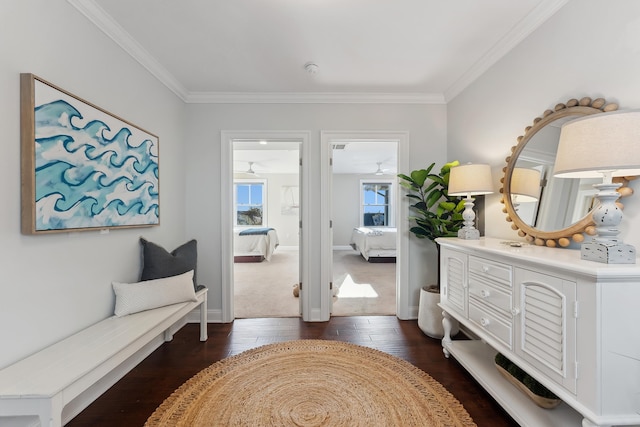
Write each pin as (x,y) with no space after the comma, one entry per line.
(539,394)
(434,214)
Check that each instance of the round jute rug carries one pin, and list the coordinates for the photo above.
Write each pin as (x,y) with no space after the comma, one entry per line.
(311,383)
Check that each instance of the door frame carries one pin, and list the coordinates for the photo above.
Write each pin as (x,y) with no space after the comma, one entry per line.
(403,311)
(226,215)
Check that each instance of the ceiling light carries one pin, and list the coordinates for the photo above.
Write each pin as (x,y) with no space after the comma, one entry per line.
(263,142)
(311,67)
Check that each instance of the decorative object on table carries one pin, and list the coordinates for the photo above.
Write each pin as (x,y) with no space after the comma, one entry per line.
(82,167)
(436,214)
(470,180)
(563,217)
(605,145)
(311,383)
(539,394)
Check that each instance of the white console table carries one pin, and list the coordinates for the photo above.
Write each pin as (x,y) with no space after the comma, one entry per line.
(574,325)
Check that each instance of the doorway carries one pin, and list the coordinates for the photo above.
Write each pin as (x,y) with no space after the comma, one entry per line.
(364,233)
(266,218)
(262,178)
(373,166)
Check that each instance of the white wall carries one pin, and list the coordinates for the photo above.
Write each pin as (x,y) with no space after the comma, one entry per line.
(426,124)
(54,285)
(589,48)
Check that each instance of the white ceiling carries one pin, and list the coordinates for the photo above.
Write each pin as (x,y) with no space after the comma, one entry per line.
(422,51)
(382,51)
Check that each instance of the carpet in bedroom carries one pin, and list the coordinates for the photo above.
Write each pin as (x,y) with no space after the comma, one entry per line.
(266,289)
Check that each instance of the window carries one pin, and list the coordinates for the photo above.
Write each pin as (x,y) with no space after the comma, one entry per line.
(249,198)
(376,203)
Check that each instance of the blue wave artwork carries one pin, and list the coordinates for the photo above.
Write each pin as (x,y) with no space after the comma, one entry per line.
(92,176)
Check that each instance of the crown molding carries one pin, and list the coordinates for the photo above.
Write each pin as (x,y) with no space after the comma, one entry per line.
(101,19)
(312,98)
(517,34)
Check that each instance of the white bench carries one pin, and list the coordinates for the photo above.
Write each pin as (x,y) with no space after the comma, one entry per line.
(56,383)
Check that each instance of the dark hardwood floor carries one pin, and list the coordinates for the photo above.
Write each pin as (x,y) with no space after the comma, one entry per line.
(132,400)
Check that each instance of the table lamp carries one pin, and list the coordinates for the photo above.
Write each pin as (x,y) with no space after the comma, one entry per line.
(470,180)
(603,145)
(525,185)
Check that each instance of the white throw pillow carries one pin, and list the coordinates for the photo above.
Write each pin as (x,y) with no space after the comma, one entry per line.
(134,297)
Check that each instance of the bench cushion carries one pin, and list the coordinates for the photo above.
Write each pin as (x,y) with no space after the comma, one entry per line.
(136,297)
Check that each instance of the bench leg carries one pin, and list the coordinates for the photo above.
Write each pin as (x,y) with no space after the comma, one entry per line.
(47,410)
(203,319)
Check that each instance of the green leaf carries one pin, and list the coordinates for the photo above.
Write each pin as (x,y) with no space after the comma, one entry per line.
(419,177)
(433,198)
(448,206)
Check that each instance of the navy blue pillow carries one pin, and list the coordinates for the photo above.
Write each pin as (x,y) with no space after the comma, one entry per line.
(158,263)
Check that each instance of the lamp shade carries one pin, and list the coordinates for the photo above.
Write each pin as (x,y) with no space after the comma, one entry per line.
(525,183)
(607,142)
(470,180)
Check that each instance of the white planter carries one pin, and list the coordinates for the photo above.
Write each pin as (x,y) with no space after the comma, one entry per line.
(430,315)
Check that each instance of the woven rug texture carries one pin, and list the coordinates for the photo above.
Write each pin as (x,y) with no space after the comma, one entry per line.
(311,383)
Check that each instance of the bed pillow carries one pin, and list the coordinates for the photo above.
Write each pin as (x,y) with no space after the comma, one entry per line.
(134,297)
(158,263)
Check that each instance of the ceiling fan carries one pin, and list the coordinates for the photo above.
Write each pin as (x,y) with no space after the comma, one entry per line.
(249,173)
(250,170)
(380,171)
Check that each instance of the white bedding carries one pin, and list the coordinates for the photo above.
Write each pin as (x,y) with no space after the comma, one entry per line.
(255,244)
(374,242)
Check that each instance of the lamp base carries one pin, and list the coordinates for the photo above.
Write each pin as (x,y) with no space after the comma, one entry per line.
(468,233)
(610,253)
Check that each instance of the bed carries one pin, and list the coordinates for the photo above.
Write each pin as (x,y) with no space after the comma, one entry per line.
(254,244)
(375,244)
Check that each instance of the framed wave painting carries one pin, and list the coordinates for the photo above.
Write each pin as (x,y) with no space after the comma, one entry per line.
(83,168)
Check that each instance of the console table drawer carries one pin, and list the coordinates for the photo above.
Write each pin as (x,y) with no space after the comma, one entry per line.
(494,297)
(499,274)
(491,323)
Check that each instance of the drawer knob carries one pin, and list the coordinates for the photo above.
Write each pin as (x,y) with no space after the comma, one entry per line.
(484,293)
(485,269)
(484,321)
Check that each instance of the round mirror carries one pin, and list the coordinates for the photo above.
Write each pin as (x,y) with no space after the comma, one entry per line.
(543,209)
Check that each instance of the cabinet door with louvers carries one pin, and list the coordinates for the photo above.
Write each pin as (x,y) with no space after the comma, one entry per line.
(453,281)
(545,320)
